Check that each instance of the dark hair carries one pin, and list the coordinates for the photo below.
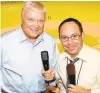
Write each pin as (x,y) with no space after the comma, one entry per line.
(71,20)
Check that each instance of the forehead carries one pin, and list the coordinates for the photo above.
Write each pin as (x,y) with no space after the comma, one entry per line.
(69,28)
(33,14)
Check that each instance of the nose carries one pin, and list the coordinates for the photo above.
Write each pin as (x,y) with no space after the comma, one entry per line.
(69,41)
(36,24)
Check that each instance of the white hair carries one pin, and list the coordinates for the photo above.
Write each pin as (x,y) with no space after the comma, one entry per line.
(34,6)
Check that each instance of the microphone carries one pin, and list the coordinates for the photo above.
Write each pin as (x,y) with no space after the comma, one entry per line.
(71,73)
(45,60)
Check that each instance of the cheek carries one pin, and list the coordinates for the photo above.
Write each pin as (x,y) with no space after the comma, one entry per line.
(41,26)
(64,44)
(80,43)
(26,23)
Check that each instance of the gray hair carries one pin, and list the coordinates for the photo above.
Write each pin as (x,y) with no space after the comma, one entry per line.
(34,6)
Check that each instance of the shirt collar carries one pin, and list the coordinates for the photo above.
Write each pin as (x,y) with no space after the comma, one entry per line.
(83,52)
(39,39)
(22,36)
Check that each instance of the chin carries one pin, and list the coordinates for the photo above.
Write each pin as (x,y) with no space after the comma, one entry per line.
(72,52)
(35,35)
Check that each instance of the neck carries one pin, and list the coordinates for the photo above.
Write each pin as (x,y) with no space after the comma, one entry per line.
(33,40)
(73,56)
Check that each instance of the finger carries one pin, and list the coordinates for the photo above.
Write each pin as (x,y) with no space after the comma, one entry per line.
(71,86)
(43,72)
(48,79)
(71,90)
(46,72)
(51,70)
(49,76)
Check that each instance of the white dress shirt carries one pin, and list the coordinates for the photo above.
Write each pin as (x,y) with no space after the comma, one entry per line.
(87,68)
(21,61)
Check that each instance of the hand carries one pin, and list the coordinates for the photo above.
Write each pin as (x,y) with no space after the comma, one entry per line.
(48,75)
(77,89)
(53,89)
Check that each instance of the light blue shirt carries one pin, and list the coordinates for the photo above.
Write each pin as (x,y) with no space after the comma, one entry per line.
(21,62)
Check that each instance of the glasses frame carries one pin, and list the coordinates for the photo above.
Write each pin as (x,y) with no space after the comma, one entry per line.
(72,37)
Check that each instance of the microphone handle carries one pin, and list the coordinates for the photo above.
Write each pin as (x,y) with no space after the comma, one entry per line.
(72,79)
(46,67)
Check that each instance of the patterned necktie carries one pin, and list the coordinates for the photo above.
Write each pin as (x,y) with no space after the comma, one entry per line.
(73,61)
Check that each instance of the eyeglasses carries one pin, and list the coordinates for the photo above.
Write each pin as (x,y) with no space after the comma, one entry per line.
(73,37)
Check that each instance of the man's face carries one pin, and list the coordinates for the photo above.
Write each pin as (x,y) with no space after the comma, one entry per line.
(71,38)
(32,23)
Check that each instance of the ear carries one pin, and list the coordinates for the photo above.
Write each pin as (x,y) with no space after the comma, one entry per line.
(82,34)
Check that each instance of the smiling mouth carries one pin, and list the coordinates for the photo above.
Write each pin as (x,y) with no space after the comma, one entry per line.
(71,48)
(34,29)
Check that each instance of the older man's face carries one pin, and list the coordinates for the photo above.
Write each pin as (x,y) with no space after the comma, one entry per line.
(32,23)
(71,38)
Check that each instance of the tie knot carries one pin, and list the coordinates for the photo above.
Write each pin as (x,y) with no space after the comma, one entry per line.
(73,61)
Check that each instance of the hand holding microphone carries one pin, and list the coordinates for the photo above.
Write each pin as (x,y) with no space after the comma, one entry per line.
(77,89)
(72,86)
(47,72)
(48,75)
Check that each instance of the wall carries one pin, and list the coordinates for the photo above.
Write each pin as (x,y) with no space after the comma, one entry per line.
(87,12)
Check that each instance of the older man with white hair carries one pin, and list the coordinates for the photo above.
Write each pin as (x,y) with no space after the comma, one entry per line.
(21,63)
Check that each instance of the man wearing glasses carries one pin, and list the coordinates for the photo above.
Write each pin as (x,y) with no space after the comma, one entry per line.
(85,59)
(87,67)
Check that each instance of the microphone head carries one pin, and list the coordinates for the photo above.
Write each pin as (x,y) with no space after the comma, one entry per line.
(70,69)
(71,74)
(45,60)
(44,55)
